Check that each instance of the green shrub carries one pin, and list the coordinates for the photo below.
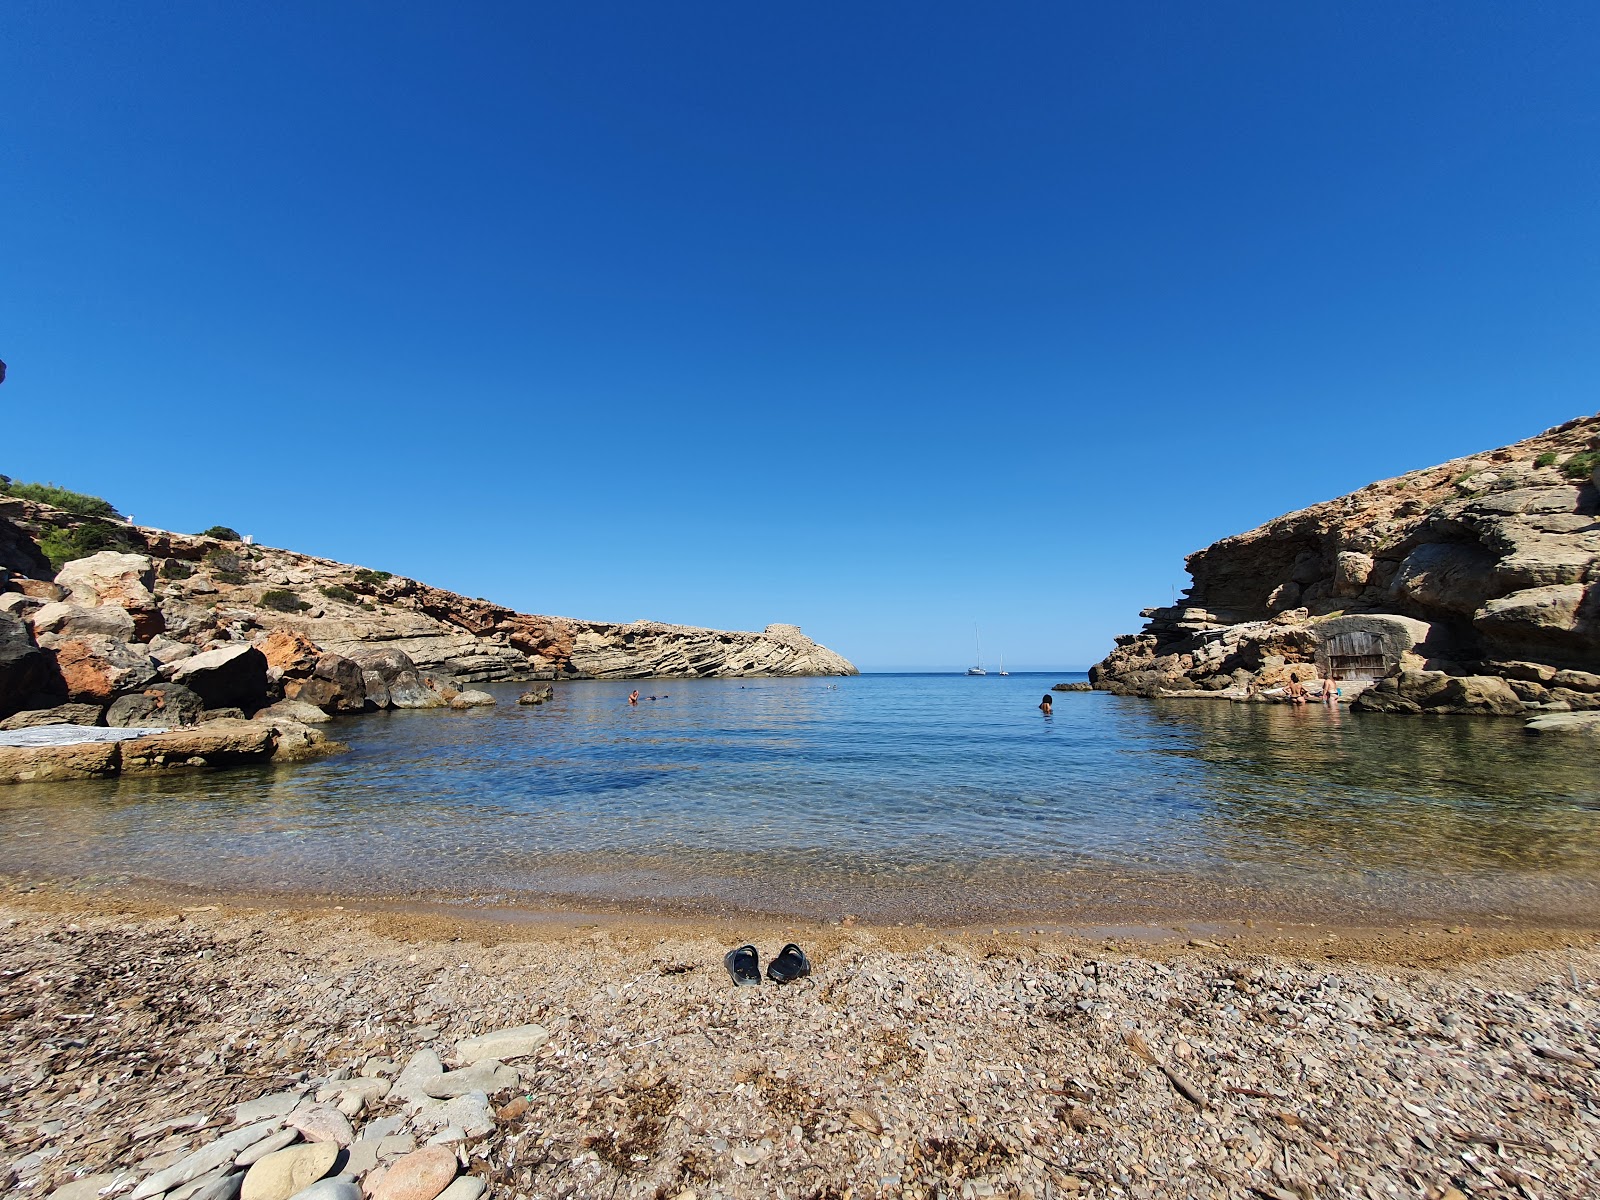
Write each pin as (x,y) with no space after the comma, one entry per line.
(1547,459)
(337,591)
(223,560)
(176,568)
(61,546)
(372,578)
(221,532)
(1581,465)
(225,576)
(48,493)
(283,600)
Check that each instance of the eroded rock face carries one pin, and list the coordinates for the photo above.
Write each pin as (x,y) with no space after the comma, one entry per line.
(96,670)
(1497,555)
(232,677)
(26,672)
(124,581)
(160,705)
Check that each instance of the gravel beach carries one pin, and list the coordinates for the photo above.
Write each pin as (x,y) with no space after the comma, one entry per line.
(201,1052)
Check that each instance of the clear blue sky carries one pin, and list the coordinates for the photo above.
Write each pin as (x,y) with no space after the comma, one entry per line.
(880,319)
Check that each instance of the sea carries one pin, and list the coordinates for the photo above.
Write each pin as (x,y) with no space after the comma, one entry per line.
(935,799)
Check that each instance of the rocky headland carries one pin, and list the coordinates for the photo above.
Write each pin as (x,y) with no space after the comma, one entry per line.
(1468,587)
(207,650)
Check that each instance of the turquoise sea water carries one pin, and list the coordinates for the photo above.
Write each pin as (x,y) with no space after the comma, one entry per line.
(915,797)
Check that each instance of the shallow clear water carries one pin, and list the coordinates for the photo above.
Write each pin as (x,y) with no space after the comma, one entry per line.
(892,796)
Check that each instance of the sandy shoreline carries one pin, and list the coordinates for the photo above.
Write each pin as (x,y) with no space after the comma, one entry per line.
(914,1062)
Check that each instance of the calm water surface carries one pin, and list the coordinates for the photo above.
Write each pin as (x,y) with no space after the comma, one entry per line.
(919,797)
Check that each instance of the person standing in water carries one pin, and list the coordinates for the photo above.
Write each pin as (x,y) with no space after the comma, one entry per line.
(1046,704)
(633,696)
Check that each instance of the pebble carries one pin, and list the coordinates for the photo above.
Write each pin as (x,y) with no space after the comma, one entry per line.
(204,1160)
(490,1075)
(424,1064)
(284,1172)
(465,1187)
(471,1113)
(279,1104)
(252,1154)
(502,1044)
(322,1125)
(340,1187)
(87,1188)
(400,1143)
(420,1175)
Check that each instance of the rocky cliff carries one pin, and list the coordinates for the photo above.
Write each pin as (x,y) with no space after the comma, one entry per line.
(210,592)
(1485,567)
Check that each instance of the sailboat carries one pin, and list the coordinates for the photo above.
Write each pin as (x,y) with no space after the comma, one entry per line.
(978,653)
(1002,670)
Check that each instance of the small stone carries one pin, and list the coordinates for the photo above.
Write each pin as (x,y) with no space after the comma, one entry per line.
(420,1175)
(204,1160)
(490,1075)
(87,1188)
(465,1187)
(393,1147)
(424,1064)
(362,1156)
(251,1155)
(340,1187)
(278,1104)
(322,1125)
(470,1112)
(283,1173)
(502,1044)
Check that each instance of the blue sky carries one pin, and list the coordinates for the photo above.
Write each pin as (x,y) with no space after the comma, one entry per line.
(881,319)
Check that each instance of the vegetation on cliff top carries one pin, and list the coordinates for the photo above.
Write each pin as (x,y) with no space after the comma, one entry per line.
(77,503)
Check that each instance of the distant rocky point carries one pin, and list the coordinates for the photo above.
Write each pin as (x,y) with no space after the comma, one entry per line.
(166,630)
(1473,586)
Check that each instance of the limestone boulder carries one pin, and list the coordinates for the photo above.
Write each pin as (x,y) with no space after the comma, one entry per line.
(377,690)
(1375,701)
(57,764)
(64,620)
(1574,725)
(60,714)
(26,672)
(125,581)
(158,706)
(96,670)
(232,677)
(1486,694)
(20,604)
(223,743)
(292,710)
(400,676)
(290,652)
(335,686)
(537,695)
(298,742)
(471,699)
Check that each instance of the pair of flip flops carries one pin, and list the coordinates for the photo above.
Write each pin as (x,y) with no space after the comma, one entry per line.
(744,965)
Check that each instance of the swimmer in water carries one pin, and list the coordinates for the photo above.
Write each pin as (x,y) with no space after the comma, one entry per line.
(633,696)
(1046,705)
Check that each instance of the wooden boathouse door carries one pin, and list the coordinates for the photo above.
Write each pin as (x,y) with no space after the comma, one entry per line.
(1356,656)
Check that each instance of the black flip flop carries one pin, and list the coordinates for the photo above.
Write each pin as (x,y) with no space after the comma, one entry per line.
(791,964)
(744,966)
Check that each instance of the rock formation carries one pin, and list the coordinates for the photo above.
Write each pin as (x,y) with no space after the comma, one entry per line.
(1473,586)
(195,635)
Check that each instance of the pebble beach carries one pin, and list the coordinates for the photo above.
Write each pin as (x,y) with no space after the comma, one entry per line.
(199,1052)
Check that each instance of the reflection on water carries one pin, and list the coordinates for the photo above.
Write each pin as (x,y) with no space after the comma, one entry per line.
(934,797)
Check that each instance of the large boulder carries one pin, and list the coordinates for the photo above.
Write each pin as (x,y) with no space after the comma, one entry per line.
(400,676)
(290,652)
(232,677)
(96,670)
(1578,724)
(1477,694)
(215,744)
(60,714)
(25,670)
(336,686)
(65,620)
(377,690)
(159,706)
(47,764)
(126,581)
